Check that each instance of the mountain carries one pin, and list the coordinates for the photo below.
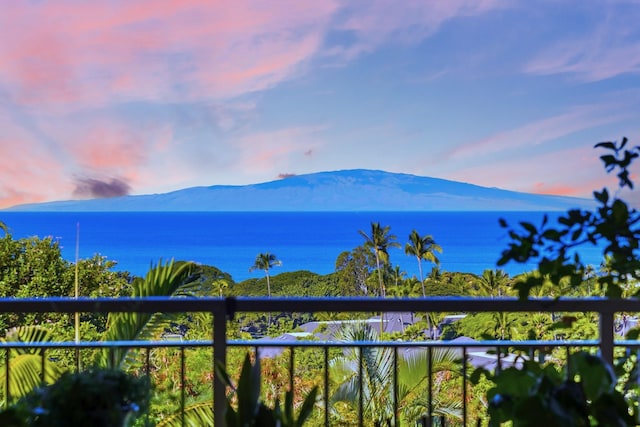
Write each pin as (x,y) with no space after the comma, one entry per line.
(345,190)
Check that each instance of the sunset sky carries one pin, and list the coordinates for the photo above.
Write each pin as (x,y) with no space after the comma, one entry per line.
(104,98)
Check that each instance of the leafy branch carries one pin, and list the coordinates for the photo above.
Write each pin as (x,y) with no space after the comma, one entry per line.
(613,224)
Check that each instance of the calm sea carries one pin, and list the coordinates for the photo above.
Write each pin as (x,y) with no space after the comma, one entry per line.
(471,241)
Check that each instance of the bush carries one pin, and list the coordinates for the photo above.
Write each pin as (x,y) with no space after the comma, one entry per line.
(96,397)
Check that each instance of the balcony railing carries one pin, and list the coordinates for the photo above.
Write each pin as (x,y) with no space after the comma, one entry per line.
(223,310)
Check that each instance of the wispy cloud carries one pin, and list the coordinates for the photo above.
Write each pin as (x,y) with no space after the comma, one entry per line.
(40,178)
(576,172)
(518,158)
(611,47)
(540,132)
(367,24)
(75,54)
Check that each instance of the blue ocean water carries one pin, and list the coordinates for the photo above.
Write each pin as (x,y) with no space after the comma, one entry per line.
(471,241)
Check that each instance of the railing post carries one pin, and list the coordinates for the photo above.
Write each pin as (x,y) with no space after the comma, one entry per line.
(606,335)
(220,357)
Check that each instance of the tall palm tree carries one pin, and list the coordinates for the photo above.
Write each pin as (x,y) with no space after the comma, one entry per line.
(266,261)
(4,228)
(423,248)
(379,242)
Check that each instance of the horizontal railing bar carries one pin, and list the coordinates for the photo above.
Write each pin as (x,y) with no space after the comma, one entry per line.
(434,304)
(319,344)
(430,343)
(105,344)
(333,304)
(112,305)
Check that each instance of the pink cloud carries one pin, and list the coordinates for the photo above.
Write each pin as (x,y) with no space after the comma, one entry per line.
(67,54)
(106,148)
(41,178)
(144,155)
(570,171)
(558,190)
(97,52)
(580,58)
(260,153)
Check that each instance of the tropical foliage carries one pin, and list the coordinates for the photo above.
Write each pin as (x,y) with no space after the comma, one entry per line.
(171,279)
(366,376)
(252,411)
(588,392)
(29,367)
(613,225)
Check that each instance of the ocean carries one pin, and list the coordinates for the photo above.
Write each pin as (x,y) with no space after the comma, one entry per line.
(471,241)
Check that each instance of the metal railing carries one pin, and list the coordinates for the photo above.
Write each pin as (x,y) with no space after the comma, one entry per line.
(225,309)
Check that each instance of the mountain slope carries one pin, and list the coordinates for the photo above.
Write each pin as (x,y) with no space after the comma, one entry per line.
(346,190)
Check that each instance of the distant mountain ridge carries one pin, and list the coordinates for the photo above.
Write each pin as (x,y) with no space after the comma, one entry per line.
(344,190)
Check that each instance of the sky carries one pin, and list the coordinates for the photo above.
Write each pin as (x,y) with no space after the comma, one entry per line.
(107,98)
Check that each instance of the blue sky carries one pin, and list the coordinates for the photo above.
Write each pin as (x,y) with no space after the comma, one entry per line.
(110,98)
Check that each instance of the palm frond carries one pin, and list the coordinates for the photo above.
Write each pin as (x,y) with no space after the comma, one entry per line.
(26,363)
(448,407)
(26,374)
(376,380)
(414,366)
(195,415)
(163,280)
(27,334)
(348,391)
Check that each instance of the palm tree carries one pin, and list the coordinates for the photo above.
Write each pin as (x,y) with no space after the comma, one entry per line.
(377,382)
(379,241)
(398,276)
(423,248)
(435,275)
(220,284)
(266,261)
(4,228)
(444,364)
(493,283)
